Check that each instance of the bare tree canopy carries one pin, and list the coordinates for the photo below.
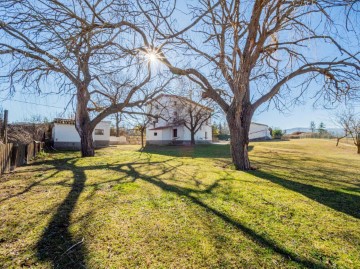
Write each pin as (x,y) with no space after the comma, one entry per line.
(350,123)
(244,54)
(193,112)
(74,46)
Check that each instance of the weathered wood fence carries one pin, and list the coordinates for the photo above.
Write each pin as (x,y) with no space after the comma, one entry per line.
(14,155)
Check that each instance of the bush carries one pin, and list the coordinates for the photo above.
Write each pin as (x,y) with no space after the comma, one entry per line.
(277,133)
(223,137)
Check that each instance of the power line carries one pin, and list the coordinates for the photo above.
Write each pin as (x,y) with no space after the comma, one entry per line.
(32,103)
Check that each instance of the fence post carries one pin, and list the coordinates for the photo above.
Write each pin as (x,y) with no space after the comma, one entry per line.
(14,157)
(34,152)
(4,128)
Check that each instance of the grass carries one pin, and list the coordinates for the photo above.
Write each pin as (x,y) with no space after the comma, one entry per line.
(185,207)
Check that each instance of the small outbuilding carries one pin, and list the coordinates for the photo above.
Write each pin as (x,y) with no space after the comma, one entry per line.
(259,131)
(65,136)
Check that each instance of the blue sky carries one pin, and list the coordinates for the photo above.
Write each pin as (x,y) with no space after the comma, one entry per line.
(52,105)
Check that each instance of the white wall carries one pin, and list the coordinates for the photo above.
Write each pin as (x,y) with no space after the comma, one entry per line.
(118,140)
(200,135)
(65,133)
(165,107)
(150,135)
(68,133)
(259,131)
(105,125)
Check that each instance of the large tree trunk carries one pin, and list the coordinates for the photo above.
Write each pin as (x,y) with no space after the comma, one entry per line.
(142,137)
(87,144)
(239,138)
(83,124)
(117,119)
(192,141)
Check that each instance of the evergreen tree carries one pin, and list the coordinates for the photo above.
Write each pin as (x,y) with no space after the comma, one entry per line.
(321,128)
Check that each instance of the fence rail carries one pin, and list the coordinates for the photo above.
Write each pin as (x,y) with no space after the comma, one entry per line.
(14,155)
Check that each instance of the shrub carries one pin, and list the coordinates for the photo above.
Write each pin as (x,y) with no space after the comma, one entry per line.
(277,133)
(223,137)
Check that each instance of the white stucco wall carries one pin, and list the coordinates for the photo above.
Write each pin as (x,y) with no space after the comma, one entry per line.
(150,135)
(65,133)
(259,131)
(68,133)
(118,140)
(165,106)
(105,125)
(200,135)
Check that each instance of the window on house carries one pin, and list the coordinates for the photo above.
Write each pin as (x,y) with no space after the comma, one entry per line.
(99,131)
(155,134)
(206,135)
(175,134)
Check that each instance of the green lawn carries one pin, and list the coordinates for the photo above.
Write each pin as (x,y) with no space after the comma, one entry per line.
(184,207)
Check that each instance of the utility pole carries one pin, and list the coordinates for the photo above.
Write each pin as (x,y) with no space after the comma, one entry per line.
(4,128)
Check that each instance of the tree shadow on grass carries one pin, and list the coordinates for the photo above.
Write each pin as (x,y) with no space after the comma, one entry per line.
(251,234)
(57,244)
(194,151)
(339,201)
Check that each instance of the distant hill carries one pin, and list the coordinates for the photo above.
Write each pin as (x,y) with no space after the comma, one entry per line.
(297,129)
(334,131)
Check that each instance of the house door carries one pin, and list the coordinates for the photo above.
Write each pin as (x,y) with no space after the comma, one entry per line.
(175,134)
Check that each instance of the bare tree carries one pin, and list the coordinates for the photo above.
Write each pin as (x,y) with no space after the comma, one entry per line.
(139,119)
(193,114)
(312,126)
(113,92)
(350,122)
(244,54)
(141,127)
(74,44)
(117,117)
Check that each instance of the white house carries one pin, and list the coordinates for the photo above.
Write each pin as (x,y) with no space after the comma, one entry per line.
(259,131)
(173,114)
(65,136)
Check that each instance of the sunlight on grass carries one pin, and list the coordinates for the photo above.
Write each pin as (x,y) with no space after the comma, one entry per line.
(184,207)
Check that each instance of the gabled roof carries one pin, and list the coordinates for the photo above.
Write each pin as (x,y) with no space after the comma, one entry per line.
(259,124)
(161,127)
(64,121)
(179,97)
(72,121)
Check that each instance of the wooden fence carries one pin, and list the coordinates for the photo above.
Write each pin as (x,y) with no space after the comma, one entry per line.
(14,155)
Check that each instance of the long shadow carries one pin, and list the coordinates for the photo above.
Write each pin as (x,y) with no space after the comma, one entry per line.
(57,245)
(246,230)
(28,188)
(195,151)
(288,164)
(339,201)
